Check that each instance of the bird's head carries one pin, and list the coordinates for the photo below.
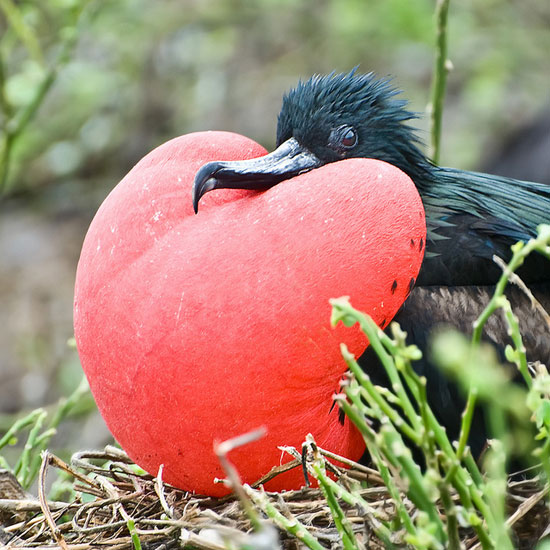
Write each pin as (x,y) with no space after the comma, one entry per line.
(325,119)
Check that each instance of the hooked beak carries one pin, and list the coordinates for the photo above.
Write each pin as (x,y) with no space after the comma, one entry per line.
(288,160)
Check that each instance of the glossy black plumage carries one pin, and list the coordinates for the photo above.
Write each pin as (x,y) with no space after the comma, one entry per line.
(470,218)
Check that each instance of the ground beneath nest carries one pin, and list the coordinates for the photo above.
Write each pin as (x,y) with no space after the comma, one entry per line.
(115,505)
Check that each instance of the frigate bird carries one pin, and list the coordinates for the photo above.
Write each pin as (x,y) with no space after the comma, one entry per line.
(470,216)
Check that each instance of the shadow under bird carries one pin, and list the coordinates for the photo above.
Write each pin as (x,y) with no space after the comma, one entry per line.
(470,218)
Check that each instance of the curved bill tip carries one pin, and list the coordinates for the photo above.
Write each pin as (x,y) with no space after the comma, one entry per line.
(204,181)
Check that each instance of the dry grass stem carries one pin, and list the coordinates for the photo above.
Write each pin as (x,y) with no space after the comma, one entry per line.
(113,494)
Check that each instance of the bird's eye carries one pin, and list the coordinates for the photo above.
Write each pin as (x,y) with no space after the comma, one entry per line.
(349,137)
(342,139)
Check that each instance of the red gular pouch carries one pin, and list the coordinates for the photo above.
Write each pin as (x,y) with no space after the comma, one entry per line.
(198,328)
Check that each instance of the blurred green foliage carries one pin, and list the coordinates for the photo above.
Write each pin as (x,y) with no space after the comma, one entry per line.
(36,62)
(143,72)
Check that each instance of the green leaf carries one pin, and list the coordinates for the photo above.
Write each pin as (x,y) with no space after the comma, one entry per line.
(543,413)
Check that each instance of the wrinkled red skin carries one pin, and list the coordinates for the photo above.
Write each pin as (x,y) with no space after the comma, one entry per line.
(193,329)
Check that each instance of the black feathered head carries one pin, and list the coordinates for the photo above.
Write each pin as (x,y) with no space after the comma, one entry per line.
(344,115)
(326,119)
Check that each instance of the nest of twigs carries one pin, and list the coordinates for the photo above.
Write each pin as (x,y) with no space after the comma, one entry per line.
(117,507)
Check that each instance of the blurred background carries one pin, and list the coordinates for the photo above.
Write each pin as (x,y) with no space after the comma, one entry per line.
(92,86)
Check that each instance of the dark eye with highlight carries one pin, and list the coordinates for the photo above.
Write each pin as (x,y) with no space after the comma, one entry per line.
(349,137)
(343,138)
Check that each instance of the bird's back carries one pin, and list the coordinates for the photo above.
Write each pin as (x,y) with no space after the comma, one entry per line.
(473,216)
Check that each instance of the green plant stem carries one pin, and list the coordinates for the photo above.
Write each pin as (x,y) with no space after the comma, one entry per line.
(63,409)
(16,125)
(545,459)
(40,443)
(429,435)
(353,414)
(439,78)
(495,491)
(133,533)
(292,526)
(473,468)
(19,425)
(462,481)
(22,468)
(342,524)
(398,455)
(4,103)
(466,424)
(28,465)
(66,405)
(520,357)
(417,483)
(374,397)
(375,337)
(519,252)
(354,499)
(453,537)
(25,34)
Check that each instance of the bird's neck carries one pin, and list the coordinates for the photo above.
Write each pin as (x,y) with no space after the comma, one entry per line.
(404,153)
